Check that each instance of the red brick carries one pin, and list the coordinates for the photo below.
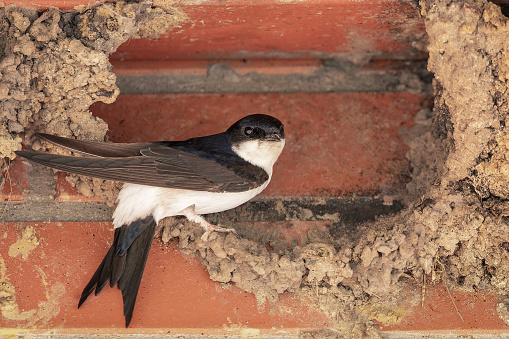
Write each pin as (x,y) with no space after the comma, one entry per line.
(271,29)
(176,293)
(16,182)
(337,143)
(475,313)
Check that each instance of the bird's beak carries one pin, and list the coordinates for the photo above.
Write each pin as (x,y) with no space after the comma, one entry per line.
(273,137)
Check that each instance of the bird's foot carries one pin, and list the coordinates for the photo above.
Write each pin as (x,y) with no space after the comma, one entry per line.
(214,228)
(208,227)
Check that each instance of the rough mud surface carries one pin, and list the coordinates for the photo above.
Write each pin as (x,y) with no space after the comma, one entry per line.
(455,228)
(469,56)
(54,65)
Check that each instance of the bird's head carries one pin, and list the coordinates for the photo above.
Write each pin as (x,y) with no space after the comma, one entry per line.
(259,139)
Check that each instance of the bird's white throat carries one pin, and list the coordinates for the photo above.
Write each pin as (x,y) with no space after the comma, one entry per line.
(260,153)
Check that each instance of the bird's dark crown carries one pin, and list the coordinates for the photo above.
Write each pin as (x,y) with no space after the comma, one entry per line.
(257,127)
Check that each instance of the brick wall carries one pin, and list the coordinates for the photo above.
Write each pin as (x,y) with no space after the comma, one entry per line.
(348,80)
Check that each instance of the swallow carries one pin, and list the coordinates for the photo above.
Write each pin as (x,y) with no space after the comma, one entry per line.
(189,178)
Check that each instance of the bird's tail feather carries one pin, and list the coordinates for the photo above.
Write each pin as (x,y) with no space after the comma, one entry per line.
(125,269)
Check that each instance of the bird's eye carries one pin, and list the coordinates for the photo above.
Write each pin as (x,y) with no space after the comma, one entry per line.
(248,131)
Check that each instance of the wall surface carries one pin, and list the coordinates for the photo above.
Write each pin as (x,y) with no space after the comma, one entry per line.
(349,81)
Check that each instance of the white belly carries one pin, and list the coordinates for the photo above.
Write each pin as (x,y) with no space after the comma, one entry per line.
(138,201)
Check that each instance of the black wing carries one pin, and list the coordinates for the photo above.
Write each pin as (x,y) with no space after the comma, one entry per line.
(95,148)
(204,164)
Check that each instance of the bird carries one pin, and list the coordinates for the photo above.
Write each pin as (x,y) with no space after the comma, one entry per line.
(188,178)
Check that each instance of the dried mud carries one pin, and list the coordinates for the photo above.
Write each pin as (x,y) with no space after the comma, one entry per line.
(456,221)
